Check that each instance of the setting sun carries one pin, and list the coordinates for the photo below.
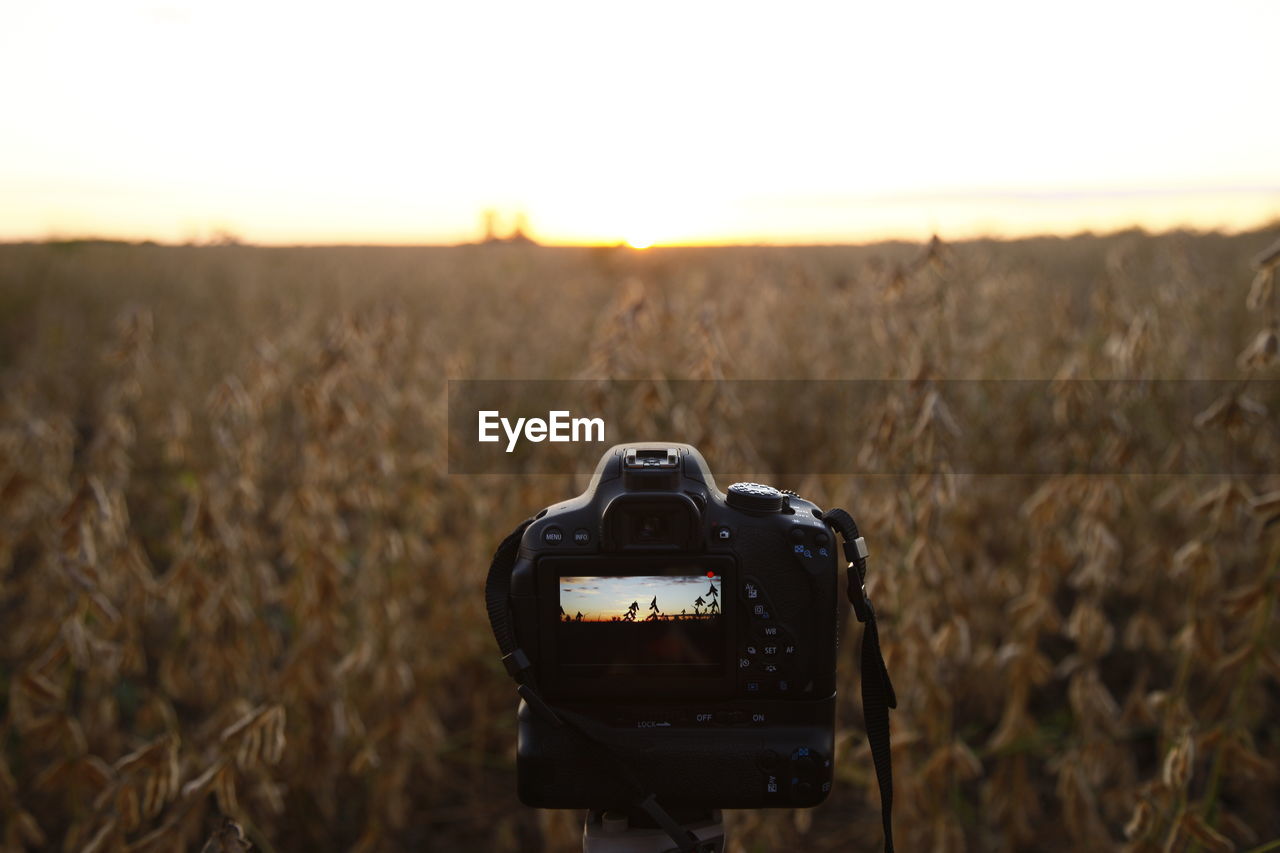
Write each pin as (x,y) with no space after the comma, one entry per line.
(639,242)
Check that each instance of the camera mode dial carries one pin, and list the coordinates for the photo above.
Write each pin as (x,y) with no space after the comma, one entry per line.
(754,497)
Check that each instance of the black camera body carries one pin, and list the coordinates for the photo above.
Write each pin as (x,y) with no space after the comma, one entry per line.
(695,628)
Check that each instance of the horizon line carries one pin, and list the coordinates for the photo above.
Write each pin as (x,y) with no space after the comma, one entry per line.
(532,243)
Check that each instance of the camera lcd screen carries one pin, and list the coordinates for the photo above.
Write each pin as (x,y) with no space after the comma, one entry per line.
(636,622)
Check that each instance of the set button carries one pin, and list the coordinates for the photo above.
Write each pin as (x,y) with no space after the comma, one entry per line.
(775,642)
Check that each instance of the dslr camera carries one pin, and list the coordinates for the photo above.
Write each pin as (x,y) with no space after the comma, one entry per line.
(691,632)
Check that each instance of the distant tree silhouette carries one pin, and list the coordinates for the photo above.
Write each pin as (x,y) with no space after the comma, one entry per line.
(697,605)
(519,232)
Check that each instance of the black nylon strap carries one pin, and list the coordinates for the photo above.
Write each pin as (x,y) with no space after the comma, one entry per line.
(877,690)
(877,699)
(497,591)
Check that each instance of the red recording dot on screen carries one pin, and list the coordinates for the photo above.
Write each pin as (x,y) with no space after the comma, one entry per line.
(711,574)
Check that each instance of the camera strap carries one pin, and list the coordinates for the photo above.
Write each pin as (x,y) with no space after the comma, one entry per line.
(877,690)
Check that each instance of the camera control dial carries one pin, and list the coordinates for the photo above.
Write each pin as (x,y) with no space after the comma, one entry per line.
(754,497)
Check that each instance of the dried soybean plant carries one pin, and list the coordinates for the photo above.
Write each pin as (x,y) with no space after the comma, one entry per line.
(1208,718)
(237,581)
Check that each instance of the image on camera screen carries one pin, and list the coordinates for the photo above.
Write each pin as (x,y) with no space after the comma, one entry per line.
(641,621)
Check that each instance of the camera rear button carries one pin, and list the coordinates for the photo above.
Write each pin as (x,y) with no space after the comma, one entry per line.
(553,536)
(582,536)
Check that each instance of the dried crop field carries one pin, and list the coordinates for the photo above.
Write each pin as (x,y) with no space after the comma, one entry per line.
(236,577)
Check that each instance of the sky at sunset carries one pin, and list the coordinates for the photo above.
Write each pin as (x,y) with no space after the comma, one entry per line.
(602,598)
(703,122)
